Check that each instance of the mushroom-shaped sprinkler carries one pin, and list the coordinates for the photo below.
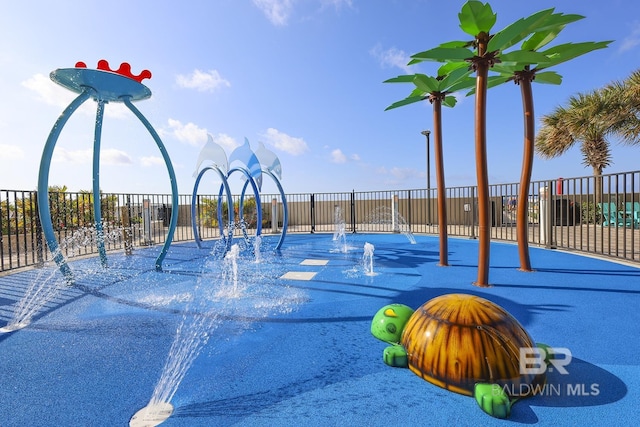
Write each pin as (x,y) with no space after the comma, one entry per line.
(103,85)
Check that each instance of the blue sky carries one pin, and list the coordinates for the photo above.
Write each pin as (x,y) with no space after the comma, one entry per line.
(302,76)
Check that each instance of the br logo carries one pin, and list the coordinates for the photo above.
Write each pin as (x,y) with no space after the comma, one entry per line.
(534,360)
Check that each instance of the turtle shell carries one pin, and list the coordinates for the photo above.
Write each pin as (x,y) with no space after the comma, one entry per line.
(457,340)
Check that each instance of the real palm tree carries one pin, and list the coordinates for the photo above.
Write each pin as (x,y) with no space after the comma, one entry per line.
(625,112)
(590,119)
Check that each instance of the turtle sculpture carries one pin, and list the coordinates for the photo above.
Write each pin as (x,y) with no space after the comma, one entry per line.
(462,343)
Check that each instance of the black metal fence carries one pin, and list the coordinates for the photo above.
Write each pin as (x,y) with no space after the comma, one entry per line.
(596,215)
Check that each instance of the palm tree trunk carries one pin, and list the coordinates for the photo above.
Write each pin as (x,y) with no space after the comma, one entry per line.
(522,219)
(442,202)
(598,189)
(482,174)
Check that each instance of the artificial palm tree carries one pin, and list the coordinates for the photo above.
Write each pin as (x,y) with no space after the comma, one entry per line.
(438,91)
(547,27)
(487,51)
(480,54)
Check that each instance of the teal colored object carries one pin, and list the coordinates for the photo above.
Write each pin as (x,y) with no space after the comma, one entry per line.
(104,86)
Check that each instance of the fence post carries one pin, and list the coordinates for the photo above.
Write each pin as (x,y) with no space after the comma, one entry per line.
(548,229)
(274,215)
(394,214)
(474,210)
(312,210)
(125,213)
(544,214)
(146,221)
(409,208)
(353,211)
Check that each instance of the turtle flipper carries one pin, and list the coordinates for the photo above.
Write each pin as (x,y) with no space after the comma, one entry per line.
(493,400)
(396,356)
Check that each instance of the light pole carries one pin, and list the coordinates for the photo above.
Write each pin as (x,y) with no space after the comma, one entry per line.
(427,133)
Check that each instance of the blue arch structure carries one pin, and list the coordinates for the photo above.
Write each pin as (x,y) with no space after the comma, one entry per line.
(225,186)
(103,86)
(285,208)
(253,166)
(256,193)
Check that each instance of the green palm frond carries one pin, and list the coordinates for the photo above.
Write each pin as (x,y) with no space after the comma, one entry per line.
(476,17)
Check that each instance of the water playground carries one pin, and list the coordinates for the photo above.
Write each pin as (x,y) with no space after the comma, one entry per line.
(320,329)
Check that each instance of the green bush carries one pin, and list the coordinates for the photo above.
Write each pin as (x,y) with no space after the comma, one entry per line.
(590,213)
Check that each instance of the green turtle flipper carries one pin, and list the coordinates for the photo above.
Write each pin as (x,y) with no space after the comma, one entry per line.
(493,400)
(396,356)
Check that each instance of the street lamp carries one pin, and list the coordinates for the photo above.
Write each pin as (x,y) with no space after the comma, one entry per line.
(427,133)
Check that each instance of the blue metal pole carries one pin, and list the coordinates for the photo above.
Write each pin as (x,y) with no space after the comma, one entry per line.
(172,177)
(43,184)
(285,208)
(227,239)
(225,184)
(96,183)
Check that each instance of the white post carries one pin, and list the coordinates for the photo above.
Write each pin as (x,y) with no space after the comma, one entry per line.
(394,214)
(544,213)
(274,215)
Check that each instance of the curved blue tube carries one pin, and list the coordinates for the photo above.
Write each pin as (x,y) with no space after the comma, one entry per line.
(256,193)
(96,183)
(172,176)
(285,208)
(225,184)
(43,183)
(228,237)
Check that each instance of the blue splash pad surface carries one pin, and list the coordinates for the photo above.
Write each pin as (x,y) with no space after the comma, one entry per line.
(289,352)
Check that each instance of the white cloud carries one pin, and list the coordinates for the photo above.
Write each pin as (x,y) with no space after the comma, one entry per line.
(632,40)
(284,142)
(53,94)
(404,173)
(188,133)
(151,161)
(337,156)
(276,11)
(400,174)
(47,91)
(108,157)
(61,154)
(391,57)
(201,81)
(225,141)
(11,152)
(336,3)
(112,156)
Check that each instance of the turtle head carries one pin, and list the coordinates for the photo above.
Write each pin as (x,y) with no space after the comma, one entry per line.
(388,323)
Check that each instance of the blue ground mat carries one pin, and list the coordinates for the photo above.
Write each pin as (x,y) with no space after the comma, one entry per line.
(285,340)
